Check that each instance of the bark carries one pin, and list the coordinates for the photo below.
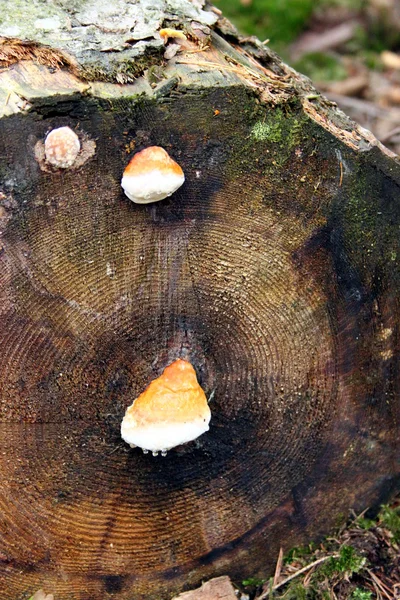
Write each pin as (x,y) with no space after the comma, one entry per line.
(274,270)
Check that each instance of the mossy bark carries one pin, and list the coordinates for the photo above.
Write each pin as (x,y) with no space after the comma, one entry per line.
(274,270)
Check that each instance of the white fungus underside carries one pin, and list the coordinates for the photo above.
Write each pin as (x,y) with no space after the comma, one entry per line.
(151,187)
(164,436)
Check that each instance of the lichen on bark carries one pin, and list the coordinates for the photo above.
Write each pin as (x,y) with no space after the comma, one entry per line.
(111,41)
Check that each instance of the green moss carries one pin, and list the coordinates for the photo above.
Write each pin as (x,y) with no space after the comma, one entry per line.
(371,224)
(361,221)
(321,67)
(253,582)
(287,127)
(278,21)
(297,591)
(299,552)
(359,41)
(361,594)
(155,74)
(365,523)
(264,131)
(121,69)
(371,59)
(272,139)
(341,575)
(390,518)
(348,562)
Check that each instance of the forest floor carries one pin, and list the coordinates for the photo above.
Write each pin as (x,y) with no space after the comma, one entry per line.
(361,561)
(349,48)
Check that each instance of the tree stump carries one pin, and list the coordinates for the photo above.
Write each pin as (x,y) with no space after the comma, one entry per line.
(274,269)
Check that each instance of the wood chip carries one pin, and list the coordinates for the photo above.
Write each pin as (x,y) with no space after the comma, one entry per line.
(219,588)
(171,50)
(390,60)
(41,595)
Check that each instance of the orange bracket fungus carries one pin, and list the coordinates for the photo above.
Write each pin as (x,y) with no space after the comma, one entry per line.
(62,147)
(167,33)
(171,411)
(151,175)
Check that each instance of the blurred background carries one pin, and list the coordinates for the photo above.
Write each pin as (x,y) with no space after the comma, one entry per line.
(349,48)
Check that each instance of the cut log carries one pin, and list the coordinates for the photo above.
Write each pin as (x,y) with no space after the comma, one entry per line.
(274,270)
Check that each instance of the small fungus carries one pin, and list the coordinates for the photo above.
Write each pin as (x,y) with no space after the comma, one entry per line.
(171,411)
(62,147)
(171,33)
(151,175)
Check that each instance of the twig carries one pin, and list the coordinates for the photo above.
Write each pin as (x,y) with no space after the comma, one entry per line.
(364,106)
(380,584)
(360,516)
(396,591)
(300,572)
(390,134)
(278,568)
(307,578)
(326,40)
(377,590)
(197,51)
(341,174)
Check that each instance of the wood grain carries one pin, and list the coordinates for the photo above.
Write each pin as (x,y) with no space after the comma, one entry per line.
(274,270)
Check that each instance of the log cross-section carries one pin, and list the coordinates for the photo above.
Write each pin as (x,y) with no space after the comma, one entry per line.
(274,270)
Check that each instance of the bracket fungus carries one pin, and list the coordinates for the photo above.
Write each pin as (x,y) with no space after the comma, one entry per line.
(167,33)
(171,411)
(62,147)
(151,175)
